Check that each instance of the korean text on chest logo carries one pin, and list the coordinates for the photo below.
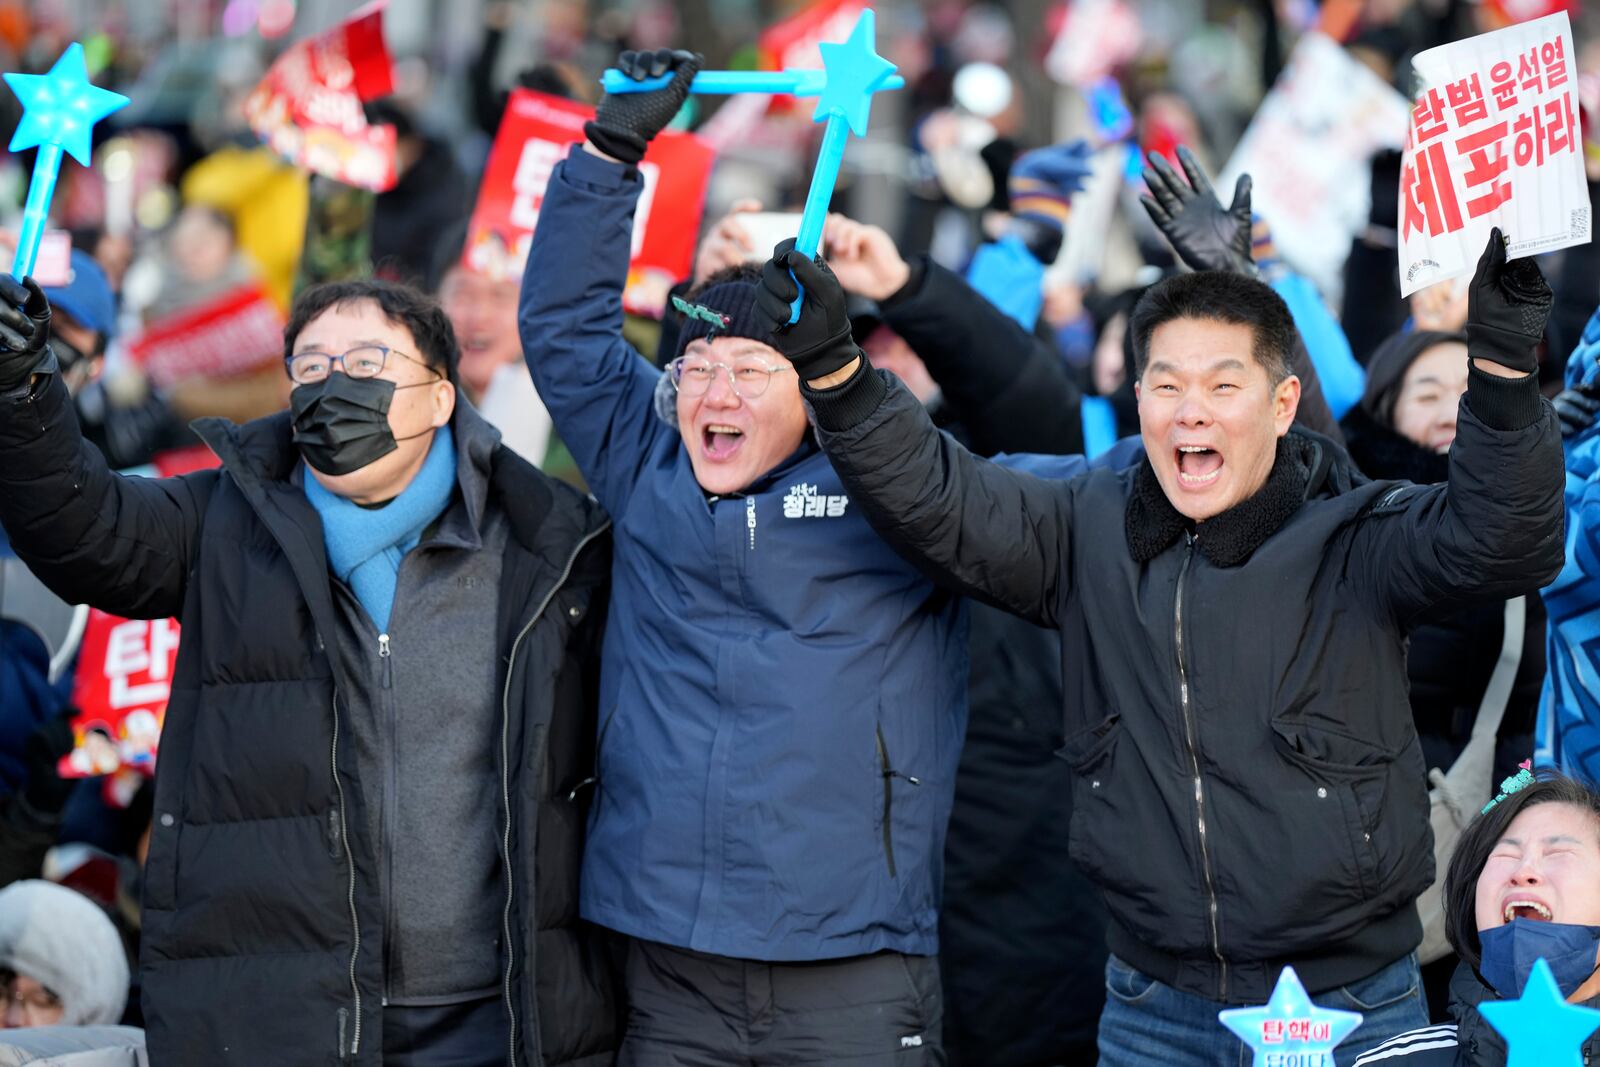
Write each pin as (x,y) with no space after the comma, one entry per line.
(804,502)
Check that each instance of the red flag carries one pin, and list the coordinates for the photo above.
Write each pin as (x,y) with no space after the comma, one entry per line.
(308,107)
(535,134)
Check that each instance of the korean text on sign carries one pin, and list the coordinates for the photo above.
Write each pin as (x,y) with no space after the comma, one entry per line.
(1494,141)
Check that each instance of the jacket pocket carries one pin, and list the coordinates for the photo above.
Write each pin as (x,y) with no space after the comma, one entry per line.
(1089,753)
(1353,774)
(887,770)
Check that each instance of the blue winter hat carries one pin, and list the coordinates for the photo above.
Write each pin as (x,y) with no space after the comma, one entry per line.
(87,297)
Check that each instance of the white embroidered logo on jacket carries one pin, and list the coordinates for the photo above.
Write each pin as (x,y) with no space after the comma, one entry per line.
(803,502)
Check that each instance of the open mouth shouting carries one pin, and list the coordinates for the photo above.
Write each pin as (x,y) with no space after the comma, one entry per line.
(1199,466)
(1522,906)
(719,441)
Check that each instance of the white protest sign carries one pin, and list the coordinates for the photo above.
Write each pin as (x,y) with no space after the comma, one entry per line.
(1307,151)
(1494,141)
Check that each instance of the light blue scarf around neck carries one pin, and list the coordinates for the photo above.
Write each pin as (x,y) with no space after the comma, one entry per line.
(365,546)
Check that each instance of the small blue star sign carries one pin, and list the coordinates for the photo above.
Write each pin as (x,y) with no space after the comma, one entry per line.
(1291,1031)
(1541,1029)
(855,71)
(61,107)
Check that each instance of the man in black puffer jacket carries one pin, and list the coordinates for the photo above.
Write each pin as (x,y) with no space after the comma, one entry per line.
(1248,790)
(365,844)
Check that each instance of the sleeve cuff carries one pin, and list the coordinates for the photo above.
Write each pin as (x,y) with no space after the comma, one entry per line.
(849,403)
(1504,403)
(913,285)
(589,169)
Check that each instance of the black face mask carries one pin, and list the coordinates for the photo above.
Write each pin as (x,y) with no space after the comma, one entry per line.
(341,423)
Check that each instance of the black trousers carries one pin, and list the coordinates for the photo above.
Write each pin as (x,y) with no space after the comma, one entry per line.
(687,1009)
(470,1034)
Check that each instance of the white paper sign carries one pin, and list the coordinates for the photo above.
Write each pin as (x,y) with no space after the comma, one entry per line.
(1307,152)
(1494,141)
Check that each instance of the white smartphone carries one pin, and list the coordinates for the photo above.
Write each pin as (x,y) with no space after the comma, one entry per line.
(766,229)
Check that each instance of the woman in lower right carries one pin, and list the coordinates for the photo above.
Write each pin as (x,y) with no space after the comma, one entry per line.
(1524,884)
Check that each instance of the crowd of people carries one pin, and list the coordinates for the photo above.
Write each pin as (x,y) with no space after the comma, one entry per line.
(957,647)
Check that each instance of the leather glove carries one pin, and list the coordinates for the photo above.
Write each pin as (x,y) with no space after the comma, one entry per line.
(24,331)
(46,791)
(820,342)
(1188,214)
(626,122)
(1576,409)
(1507,305)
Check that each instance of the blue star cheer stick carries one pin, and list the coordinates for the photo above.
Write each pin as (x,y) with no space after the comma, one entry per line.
(852,72)
(1291,1028)
(1541,1029)
(59,111)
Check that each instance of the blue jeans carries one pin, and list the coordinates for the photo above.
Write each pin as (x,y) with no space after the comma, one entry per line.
(1148,1024)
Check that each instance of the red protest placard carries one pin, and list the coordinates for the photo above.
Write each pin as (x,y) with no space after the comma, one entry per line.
(308,107)
(1494,140)
(535,134)
(237,332)
(121,689)
(124,675)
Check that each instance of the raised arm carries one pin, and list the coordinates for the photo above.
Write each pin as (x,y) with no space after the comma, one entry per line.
(598,389)
(1005,386)
(996,534)
(1495,528)
(94,537)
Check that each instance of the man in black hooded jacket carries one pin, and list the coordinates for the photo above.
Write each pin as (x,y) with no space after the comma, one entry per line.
(367,828)
(1248,787)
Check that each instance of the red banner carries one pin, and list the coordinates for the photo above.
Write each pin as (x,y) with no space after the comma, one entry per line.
(124,676)
(308,107)
(535,134)
(124,679)
(237,332)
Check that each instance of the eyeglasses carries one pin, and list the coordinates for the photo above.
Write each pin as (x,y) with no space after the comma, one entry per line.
(363,361)
(693,375)
(39,1007)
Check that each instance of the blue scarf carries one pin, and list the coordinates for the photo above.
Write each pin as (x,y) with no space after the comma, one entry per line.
(365,546)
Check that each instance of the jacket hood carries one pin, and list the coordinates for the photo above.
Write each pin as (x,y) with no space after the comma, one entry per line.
(61,940)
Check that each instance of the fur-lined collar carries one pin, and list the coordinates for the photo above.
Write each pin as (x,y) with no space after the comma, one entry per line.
(1228,539)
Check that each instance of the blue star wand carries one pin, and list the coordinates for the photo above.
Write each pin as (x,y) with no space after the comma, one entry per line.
(1541,1029)
(851,72)
(59,110)
(1291,1028)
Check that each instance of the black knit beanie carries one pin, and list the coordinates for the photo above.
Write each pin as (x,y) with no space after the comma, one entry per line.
(724,307)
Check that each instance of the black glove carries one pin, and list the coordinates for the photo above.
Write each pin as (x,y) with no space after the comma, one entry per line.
(1188,214)
(1507,306)
(820,342)
(46,791)
(24,331)
(1576,408)
(626,122)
